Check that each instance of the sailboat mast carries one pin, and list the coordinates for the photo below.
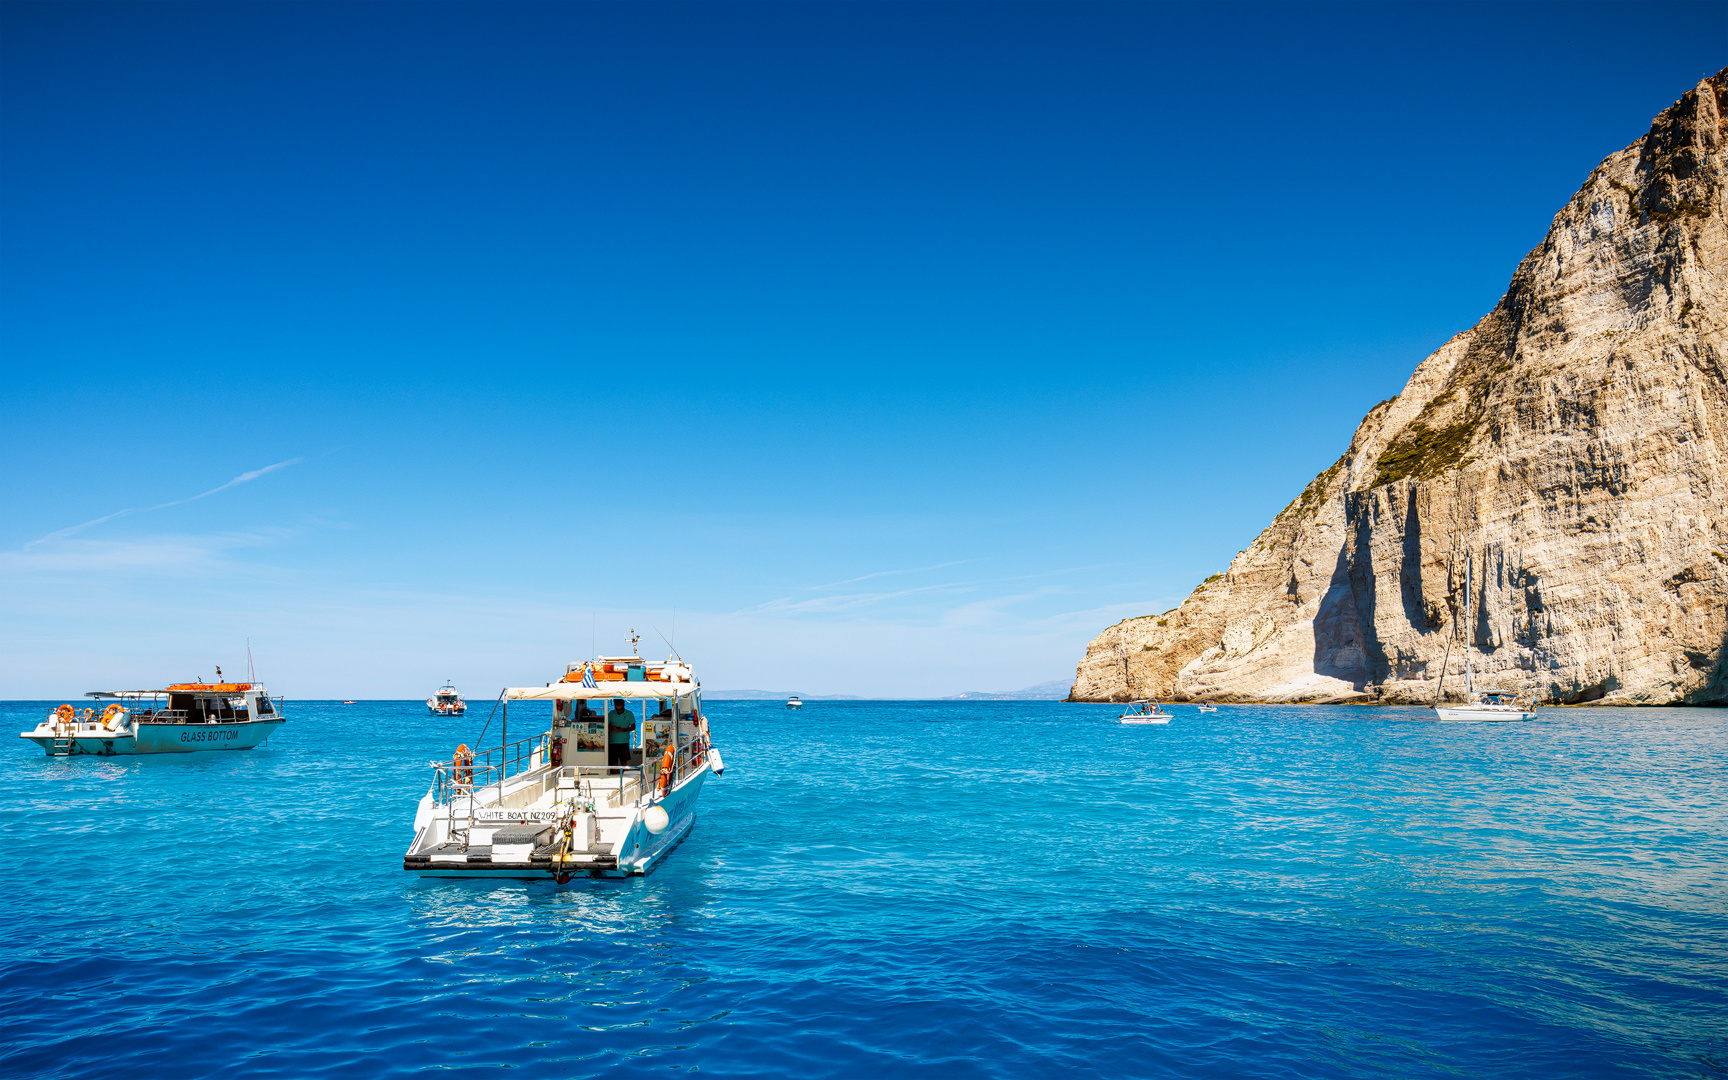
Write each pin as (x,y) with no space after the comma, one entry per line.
(1469,590)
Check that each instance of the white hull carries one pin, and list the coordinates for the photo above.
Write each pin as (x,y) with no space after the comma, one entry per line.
(74,740)
(1459,714)
(1144,720)
(622,844)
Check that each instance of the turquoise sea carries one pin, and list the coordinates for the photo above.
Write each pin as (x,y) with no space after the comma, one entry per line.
(994,889)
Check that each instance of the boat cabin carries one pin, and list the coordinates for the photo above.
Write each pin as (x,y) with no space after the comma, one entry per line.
(197,703)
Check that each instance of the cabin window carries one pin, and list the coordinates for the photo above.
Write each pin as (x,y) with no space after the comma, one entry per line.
(264,705)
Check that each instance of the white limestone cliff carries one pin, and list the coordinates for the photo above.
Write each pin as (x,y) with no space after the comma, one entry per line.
(1573,445)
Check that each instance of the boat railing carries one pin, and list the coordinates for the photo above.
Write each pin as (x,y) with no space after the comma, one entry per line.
(455,779)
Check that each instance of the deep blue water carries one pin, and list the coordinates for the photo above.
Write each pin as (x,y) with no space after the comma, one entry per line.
(957,889)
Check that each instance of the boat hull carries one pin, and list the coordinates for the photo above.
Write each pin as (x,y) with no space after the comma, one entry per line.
(145,738)
(1462,714)
(636,854)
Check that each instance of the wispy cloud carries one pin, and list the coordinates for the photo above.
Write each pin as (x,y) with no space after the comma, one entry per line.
(245,477)
(889,573)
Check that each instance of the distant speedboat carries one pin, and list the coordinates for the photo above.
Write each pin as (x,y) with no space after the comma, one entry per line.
(446,702)
(1144,712)
(1208,708)
(794,702)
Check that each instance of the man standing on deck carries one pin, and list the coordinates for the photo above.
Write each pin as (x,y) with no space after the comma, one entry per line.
(619,724)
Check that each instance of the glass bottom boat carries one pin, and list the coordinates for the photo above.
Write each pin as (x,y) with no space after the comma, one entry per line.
(183,718)
(577,800)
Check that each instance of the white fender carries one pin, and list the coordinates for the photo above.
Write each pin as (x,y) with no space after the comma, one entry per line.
(655,819)
(714,761)
(423,813)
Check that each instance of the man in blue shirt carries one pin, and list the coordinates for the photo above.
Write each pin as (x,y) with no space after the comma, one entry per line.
(620,724)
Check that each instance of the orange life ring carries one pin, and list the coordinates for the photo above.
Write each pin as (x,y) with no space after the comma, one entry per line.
(665,770)
(66,713)
(464,762)
(89,714)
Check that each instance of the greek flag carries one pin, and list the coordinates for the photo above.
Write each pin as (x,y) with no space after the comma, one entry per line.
(588,676)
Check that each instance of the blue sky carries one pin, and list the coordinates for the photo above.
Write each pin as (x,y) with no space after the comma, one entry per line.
(891,350)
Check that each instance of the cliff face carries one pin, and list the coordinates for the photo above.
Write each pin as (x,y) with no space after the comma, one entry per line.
(1573,444)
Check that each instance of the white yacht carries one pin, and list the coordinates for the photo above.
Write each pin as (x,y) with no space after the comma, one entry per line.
(568,801)
(1485,707)
(179,719)
(446,702)
(1144,712)
(794,702)
(1208,708)
(1501,707)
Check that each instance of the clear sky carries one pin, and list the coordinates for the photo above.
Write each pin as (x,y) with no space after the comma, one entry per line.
(890,350)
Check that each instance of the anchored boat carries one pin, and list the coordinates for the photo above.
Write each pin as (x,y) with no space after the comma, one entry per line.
(1144,712)
(446,702)
(794,702)
(180,719)
(606,791)
(1485,707)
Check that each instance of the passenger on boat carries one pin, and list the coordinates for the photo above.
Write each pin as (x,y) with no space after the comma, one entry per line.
(620,723)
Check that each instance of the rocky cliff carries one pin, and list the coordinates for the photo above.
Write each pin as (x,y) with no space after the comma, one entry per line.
(1573,445)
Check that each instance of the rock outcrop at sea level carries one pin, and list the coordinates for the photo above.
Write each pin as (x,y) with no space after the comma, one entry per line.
(1573,445)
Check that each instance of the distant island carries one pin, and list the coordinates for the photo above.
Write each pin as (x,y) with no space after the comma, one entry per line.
(1571,448)
(1054,690)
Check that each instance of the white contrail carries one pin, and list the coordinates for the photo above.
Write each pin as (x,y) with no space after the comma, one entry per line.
(241,479)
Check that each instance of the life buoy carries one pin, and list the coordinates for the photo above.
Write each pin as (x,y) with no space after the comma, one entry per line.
(66,713)
(464,762)
(665,770)
(89,714)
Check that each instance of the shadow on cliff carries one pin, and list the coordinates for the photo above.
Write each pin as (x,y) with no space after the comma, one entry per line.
(1338,648)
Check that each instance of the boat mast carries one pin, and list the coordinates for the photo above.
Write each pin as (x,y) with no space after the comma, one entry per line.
(1469,693)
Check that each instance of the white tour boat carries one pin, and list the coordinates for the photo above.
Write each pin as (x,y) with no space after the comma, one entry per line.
(1145,712)
(794,702)
(1208,708)
(564,803)
(1486,707)
(446,702)
(179,719)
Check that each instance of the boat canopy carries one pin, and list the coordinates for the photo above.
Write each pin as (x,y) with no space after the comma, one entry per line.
(197,689)
(576,691)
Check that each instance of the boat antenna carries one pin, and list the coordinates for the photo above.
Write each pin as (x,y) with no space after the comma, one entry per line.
(634,639)
(251,673)
(669,644)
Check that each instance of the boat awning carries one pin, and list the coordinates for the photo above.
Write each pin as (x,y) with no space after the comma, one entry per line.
(576,691)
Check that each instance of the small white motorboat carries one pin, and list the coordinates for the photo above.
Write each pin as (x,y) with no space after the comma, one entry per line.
(1144,712)
(446,702)
(1208,708)
(194,717)
(793,702)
